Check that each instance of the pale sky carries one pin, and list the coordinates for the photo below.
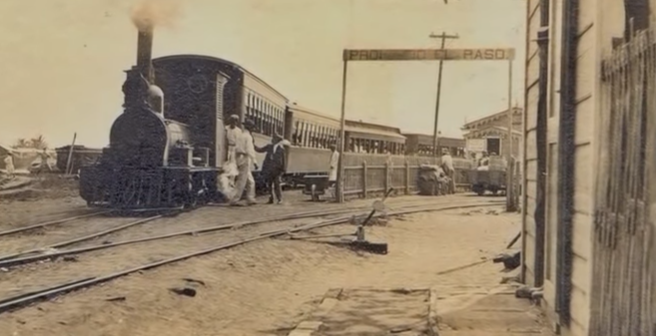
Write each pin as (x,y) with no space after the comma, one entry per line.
(62,61)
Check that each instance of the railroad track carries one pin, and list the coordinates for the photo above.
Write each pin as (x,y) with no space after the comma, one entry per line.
(339,216)
(38,254)
(59,221)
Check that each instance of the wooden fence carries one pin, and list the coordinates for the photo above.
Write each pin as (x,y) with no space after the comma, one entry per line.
(366,175)
(623,294)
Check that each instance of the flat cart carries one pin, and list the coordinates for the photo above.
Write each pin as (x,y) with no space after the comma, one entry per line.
(487,180)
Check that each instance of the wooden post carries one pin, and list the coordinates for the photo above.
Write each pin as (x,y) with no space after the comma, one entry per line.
(407,177)
(70,156)
(510,198)
(387,176)
(342,137)
(364,179)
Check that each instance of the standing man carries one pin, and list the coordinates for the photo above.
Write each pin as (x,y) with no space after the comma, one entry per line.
(233,133)
(334,162)
(449,170)
(227,178)
(45,162)
(274,166)
(245,159)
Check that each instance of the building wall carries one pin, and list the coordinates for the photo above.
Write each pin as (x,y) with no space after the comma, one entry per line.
(593,41)
(501,121)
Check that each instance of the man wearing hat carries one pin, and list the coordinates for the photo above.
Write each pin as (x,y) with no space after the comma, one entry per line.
(274,165)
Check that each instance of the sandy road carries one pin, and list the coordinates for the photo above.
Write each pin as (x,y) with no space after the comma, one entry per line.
(264,288)
(35,276)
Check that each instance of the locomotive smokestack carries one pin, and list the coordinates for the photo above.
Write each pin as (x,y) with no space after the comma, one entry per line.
(145,52)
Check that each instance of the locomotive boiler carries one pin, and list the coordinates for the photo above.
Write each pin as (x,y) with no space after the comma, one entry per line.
(160,154)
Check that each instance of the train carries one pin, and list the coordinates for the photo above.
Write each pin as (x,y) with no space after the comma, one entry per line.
(167,148)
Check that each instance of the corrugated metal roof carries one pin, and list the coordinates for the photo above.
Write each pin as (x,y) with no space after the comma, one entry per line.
(490,118)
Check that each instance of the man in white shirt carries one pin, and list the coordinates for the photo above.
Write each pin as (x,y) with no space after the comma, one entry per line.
(449,170)
(233,132)
(334,162)
(245,159)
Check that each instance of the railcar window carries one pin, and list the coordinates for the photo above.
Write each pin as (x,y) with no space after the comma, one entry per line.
(323,137)
(274,114)
(295,134)
(298,131)
(265,115)
(319,136)
(304,135)
(248,106)
(280,121)
(258,113)
(313,137)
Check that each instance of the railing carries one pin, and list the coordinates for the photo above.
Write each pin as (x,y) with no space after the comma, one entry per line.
(623,294)
(379,173)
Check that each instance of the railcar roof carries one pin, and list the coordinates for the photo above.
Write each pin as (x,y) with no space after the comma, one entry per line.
(312,114)
(362,130)
(219,60)
(428,138)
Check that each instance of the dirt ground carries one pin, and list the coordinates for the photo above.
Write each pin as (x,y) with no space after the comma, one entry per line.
(267,287)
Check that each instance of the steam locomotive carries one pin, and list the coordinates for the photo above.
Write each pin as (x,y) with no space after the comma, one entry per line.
(167,148)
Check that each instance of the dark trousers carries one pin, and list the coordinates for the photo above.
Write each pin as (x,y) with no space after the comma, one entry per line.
(451,174)
(273,183)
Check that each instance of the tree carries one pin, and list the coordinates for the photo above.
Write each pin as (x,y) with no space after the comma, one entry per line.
(39,142)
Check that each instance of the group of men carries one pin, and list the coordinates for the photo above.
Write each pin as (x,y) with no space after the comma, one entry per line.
(241,154)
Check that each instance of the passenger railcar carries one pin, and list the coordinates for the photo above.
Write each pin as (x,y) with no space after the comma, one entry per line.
(368,138)
(311,133)
(422,145)
(245,95)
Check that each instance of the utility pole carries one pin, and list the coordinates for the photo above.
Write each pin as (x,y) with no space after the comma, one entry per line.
(442,36)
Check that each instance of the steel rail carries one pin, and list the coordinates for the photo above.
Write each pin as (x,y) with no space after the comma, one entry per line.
(68,219)
(9,262)
(80,239)
(23,299)
(51,222)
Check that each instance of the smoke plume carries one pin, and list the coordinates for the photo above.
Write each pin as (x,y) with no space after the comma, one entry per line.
(156,13)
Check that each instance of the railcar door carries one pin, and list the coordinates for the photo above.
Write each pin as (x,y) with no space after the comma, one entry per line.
(220,140)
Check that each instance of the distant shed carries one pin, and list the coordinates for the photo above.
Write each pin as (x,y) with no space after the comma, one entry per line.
(82,157)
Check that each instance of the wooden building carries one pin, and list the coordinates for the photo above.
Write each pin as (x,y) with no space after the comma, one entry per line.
(493,129)
(589,166)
